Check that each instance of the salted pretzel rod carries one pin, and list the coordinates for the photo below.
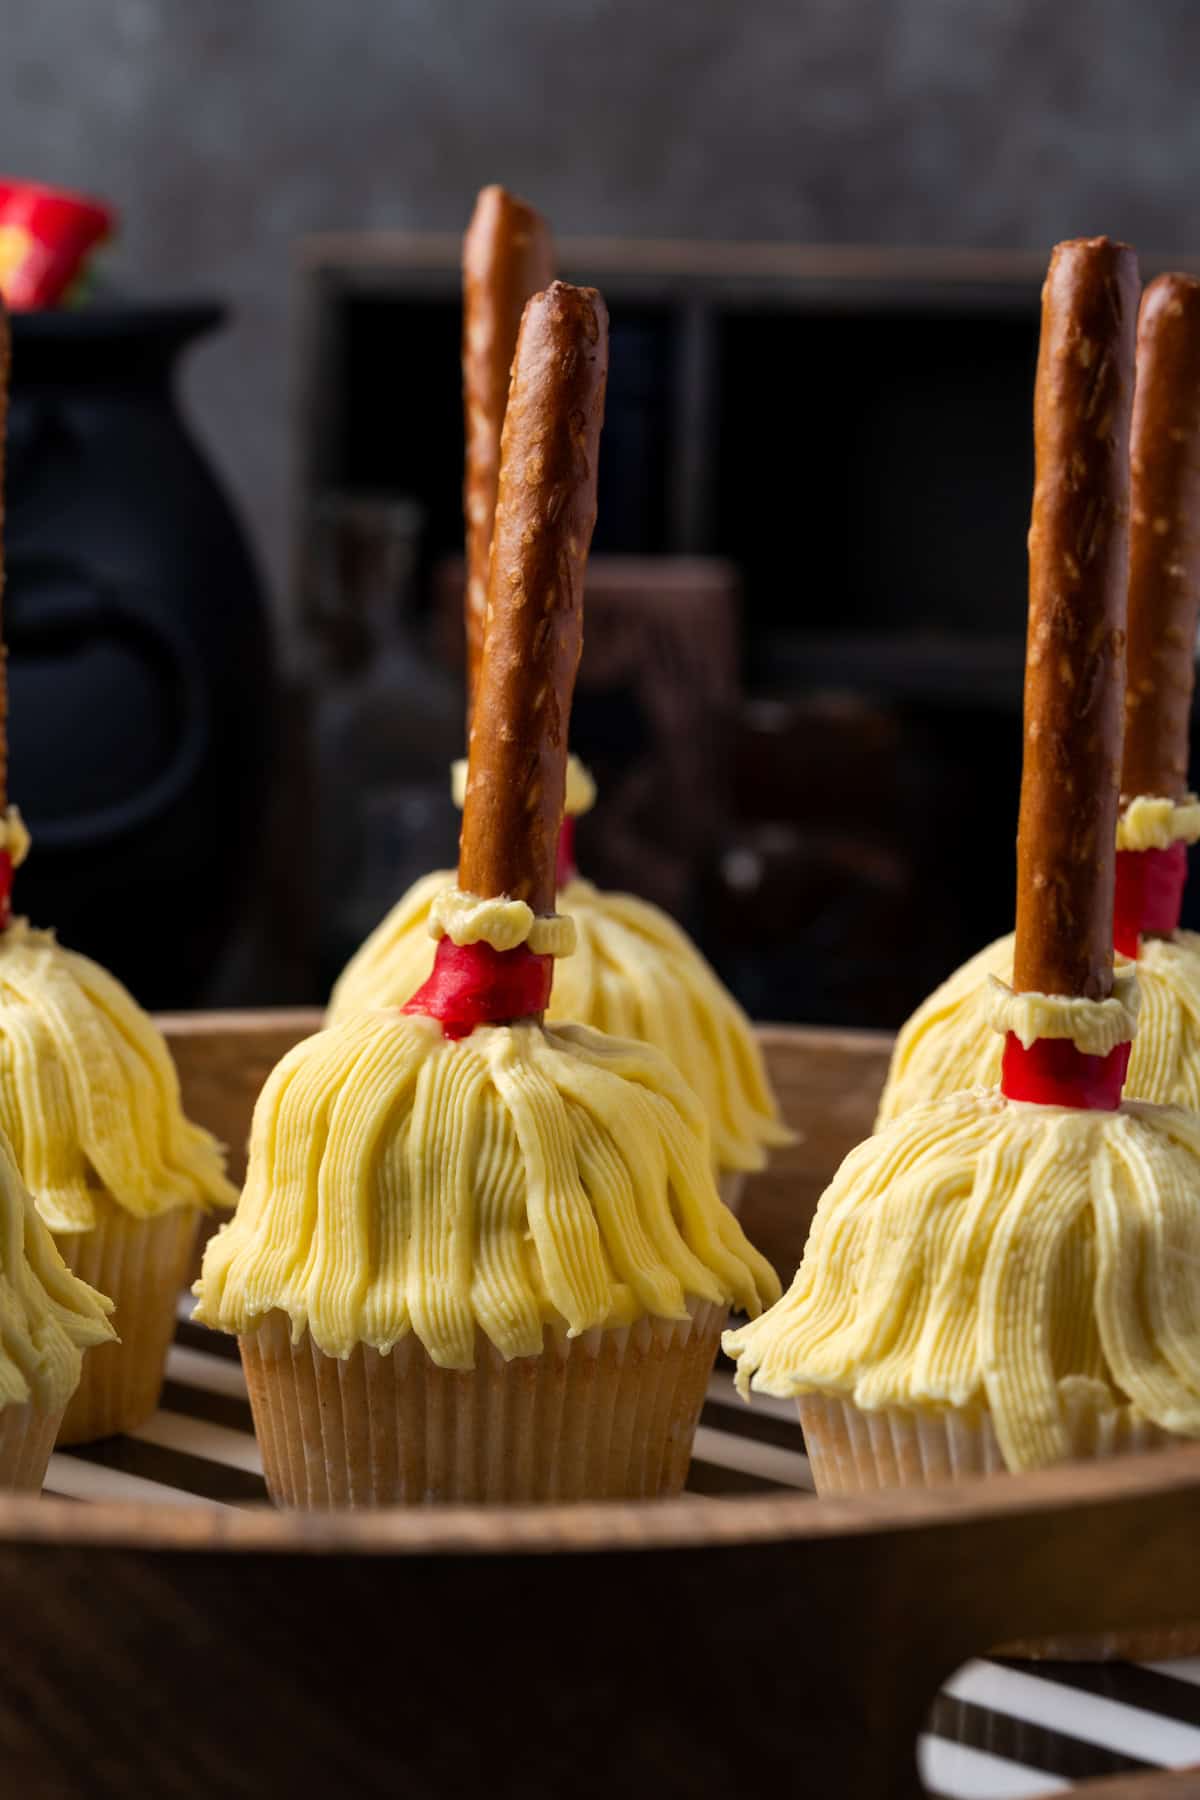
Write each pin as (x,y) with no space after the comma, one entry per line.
(1075,650)
(5,375)
(1164,540)
(545,511)
(507,256)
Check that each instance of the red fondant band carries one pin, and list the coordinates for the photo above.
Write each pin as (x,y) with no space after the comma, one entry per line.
(1149,894)
(6,878)
(564,867)
(1052,1072)
(472,984)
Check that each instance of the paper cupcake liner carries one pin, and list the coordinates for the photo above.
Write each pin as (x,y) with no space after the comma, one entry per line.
(605,1416)
(731,1185)
(140,1264)
(851,1451)
(26,1440)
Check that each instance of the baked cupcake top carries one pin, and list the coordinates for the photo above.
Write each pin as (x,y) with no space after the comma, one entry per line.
(89,1096)
(518,1178)
(48,1317)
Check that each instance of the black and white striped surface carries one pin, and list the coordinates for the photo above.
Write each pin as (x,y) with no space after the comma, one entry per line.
(998,1731)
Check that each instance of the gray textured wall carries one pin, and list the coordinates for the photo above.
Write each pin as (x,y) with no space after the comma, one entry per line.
(224,128)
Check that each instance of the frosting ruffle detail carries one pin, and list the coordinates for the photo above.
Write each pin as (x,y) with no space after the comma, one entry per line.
(1151,822)
(14,836)
(1094,1026)
(504,924)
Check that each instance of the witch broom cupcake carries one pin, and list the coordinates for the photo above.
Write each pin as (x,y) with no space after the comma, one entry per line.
(48,1318)
(948,1043)
(89,1101)
(1010,1278)
(479,1258)
(634,972)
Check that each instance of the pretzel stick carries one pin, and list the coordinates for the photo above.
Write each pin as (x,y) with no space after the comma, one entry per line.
(545,511)
(1164,540)
(1074,659)
(507,255)
(5,377)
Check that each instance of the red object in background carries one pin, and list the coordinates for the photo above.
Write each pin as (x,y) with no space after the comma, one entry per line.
(472,984)
(6,876)
(1052,1072)
(565,867)
(1149,894)
(45,236)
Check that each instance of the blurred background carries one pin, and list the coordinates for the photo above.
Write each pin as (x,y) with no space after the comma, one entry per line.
(821,228)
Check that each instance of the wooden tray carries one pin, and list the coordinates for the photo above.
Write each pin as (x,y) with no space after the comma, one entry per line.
(678,1649)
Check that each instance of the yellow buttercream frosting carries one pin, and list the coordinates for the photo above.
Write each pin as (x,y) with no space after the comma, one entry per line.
(984,1253)
(1151,822)
(580,791)
(1095,1027)
(949,1042)
(516,1178)
(633,973)
(48,1317)
(13,835)
(89,1096)
(503,923)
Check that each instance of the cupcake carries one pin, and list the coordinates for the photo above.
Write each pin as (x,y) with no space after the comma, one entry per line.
(635,973)
(478,1257)
(89,1101)
(947,1044)
(1009,1278)
(48,1318)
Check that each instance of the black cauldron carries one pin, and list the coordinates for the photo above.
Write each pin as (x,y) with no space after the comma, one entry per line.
(140,663)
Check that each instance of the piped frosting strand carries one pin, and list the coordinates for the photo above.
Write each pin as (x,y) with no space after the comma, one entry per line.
(571,1189)
(48,1317)
(89,1096)
(980,1253)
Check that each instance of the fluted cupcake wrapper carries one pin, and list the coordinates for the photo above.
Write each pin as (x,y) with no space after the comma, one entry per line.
(604,1416)
(140,1264)
(26,1441)
(851,1451)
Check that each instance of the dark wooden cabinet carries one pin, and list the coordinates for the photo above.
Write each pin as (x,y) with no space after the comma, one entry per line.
(850,432)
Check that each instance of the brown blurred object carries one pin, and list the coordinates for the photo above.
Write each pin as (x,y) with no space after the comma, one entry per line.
(658,691)
(816,884)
